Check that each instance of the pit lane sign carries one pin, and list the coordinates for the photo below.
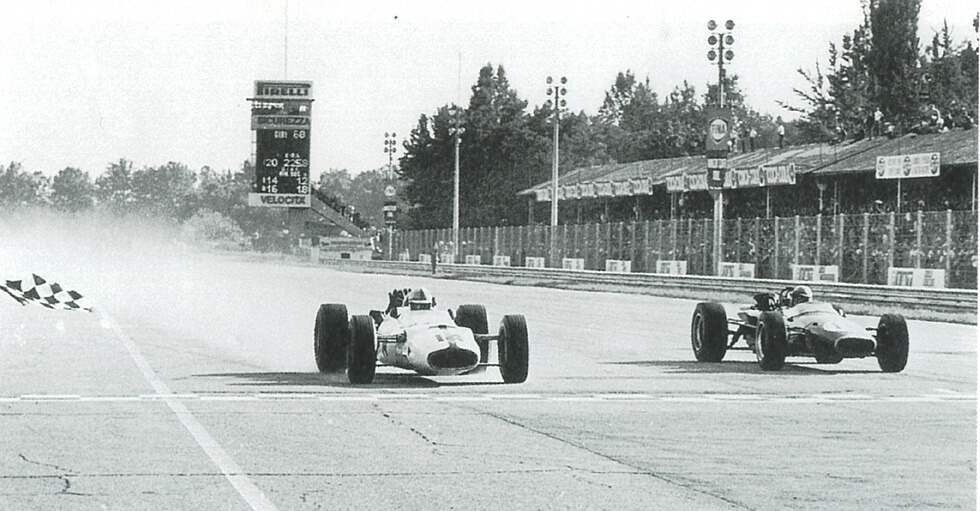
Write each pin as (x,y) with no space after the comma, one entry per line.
(907,166)
(281,120)
(719,130)
(716,145)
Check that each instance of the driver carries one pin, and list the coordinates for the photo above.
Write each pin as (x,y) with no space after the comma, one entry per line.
(420,299)
(800,294)
(396,298)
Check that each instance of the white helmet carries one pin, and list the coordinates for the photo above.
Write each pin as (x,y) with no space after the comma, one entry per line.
(420,299)
(801,294)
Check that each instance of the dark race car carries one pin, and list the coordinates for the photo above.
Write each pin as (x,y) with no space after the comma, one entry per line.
(777,326)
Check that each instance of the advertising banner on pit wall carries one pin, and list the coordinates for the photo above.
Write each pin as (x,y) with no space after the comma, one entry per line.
(917,277)
(816,273)
(736,270)
(907,166)
(671,267)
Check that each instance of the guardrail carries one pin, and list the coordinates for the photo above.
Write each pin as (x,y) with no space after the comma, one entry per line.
(936,300)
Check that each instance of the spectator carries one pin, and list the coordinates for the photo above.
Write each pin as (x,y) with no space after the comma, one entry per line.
(752,135)
(780,130)
(876,128)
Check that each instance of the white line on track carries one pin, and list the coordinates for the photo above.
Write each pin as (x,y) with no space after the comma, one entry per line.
(589,398)
(235,475)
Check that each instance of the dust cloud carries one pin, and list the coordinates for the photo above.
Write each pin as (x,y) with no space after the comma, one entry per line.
(142,274)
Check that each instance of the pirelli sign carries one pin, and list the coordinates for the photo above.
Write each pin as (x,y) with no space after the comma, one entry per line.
(281,119)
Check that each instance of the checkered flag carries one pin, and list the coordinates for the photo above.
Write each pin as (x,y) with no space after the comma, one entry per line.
(37,290)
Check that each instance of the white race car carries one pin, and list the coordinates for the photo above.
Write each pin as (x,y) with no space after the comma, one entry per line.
(411,334)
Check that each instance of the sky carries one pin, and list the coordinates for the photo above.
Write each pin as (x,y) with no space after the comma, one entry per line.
(87,82)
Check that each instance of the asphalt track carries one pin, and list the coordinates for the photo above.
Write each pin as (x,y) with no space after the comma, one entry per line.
(194,386)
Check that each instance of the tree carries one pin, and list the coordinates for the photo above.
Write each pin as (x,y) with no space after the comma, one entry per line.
(840,104)
(497,150)
(114,188)
(336,182)
(361,195)
(18,188)
(630,120)
(949,78)
(892,59)
(72,190)
(165,191)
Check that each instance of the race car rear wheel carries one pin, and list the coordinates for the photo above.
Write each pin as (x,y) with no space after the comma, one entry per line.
(512,349)
(362,355)
(474,317)
(893,343)
(330,335)
(709,332)
(770,346)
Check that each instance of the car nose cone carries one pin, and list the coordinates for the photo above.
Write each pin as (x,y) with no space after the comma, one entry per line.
(453,357)
(854,346)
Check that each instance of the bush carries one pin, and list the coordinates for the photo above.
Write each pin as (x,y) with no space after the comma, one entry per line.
(214,230)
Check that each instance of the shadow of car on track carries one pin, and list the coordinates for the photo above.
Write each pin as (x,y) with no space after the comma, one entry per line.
(339,380)
(743,367)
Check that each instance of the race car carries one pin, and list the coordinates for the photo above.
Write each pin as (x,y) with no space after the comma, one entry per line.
(790,323)
(411,334)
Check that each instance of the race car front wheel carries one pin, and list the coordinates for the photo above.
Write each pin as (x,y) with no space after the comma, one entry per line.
(709,332)
(362,355)
(330,335)
(474,317)
(770,346)
(512,349)
(893,343)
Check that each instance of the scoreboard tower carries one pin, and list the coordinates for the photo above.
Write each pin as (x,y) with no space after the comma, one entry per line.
(281,121)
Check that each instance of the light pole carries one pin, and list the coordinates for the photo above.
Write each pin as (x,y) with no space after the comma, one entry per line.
(456,131)
(558,91)
(720,39)
(390,149)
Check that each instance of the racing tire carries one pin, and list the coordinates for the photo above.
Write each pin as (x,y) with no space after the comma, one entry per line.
(362,354)
(512,349)
(893,343)
(474,317)
(709,332)
(770,346)
(330,335)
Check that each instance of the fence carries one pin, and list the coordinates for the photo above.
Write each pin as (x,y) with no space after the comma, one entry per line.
(863,247)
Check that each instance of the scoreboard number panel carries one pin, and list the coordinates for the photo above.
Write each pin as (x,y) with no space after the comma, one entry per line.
(281,120)
(282,161)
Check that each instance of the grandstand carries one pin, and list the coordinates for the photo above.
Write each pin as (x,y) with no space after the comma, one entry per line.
(838,177)
(826,218)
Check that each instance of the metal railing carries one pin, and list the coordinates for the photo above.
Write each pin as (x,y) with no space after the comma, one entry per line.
(694,286)
(862,247)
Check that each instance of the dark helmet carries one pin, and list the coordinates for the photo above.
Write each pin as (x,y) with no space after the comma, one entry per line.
(801,294)
(420,299)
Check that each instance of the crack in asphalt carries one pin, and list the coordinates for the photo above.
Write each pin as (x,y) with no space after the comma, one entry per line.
(49,465)
(638,469)
(399,423)
(64,478)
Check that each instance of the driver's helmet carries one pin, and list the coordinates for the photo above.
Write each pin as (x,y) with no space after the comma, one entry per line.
(420,299)
(801,294)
